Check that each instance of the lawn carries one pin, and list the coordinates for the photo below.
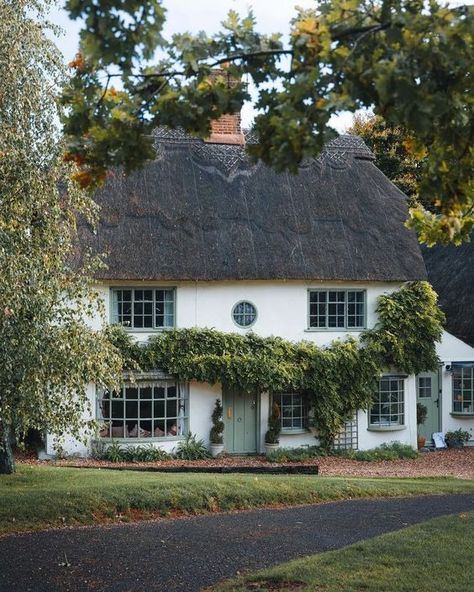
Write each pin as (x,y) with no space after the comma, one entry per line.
(434,555)
(40,497)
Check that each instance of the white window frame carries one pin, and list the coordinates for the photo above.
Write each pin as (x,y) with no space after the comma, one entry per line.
(301,417)
(387,406)
(144,427)
(114,303)
(344,303)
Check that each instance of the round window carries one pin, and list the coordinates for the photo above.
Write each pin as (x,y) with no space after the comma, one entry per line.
(244,314)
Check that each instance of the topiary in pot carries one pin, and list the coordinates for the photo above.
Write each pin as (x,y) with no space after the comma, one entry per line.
(272,436)
(216,434)
(421,413)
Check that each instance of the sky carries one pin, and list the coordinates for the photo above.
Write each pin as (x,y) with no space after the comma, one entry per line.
(197,15)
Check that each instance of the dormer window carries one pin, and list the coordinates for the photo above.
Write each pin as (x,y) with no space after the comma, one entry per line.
(144,308)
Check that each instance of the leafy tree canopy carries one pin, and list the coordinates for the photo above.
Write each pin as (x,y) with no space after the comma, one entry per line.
(391,147)
(409,60)
(48,354)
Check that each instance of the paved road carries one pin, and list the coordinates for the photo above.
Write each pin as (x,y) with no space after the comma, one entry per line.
(187,554)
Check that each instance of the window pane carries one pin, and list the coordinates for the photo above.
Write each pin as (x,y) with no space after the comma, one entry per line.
(337,309)
(463,390)
(244,314)
(149,410)
(292,411)
(388,404)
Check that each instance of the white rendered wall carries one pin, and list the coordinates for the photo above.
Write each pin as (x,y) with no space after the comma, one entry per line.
(282,309)
(451,350)
(282,306)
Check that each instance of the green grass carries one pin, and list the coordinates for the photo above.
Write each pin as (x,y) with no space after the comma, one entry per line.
(39,497)
(434,555)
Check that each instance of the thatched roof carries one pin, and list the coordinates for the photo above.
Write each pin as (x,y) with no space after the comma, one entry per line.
(451,272)
(203,211)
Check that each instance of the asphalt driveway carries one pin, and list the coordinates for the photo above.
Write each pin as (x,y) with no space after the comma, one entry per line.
(187,554)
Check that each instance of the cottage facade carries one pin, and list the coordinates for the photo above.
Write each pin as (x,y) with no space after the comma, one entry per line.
(202,237)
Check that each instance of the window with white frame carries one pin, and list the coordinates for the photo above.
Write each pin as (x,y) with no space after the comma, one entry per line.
(388,406)
(147,409)
(463,390)
(293,411)
(336,309)
(144,308)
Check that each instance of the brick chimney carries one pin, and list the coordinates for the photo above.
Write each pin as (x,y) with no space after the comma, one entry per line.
(226,129)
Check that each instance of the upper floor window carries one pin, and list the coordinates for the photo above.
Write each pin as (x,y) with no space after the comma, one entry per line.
(144,308)
(244,314)
(463,390)
(337,309)
(388,405)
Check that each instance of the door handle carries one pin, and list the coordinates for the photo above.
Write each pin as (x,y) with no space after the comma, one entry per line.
(229,412)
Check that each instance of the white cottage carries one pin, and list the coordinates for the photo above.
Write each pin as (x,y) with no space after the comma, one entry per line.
(202,237)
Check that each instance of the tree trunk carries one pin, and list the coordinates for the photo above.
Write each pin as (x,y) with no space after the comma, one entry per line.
(7,460)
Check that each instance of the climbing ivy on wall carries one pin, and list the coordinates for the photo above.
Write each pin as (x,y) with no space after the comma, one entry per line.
(337,379)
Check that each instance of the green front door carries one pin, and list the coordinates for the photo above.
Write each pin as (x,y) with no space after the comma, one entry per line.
(240,419)
(427,393)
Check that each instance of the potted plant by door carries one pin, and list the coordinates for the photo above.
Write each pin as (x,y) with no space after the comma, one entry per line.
(421,413)
(216,434)
(456,438)
(272,437)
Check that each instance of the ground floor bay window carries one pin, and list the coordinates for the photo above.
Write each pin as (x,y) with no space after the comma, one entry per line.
(146,409)
(388,406)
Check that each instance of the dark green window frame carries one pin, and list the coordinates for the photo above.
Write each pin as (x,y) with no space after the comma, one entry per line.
(144,309)
(337,309)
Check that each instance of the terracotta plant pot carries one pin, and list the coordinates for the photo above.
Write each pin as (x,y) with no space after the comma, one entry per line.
(421,442)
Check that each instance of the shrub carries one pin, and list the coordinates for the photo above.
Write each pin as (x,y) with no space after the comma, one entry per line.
(456,438)
(217,429)
(274,426)
(114,453)
(421,413)
(146,453)
(392,451)
(282,455)
(191,449)
(117,453)
(98,449)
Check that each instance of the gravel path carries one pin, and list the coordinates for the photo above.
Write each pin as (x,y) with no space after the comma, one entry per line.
(447,463)
(189,554)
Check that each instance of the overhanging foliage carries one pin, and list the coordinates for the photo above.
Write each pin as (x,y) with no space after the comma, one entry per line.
(337,379)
